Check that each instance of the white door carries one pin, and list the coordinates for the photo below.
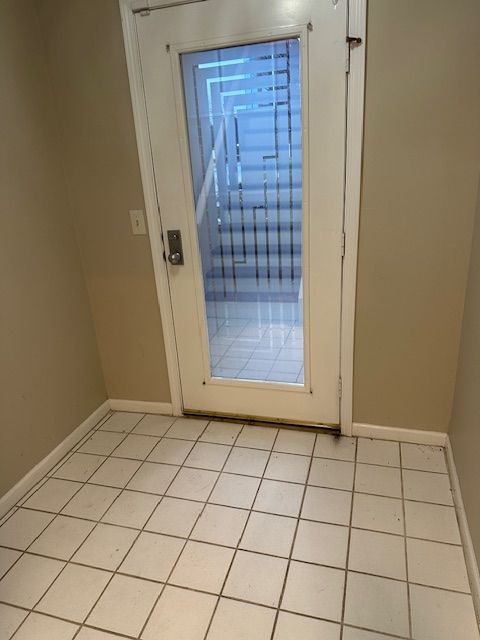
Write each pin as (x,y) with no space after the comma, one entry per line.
(246,112)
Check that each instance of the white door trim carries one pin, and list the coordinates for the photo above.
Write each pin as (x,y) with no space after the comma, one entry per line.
(355,103)
(357,26)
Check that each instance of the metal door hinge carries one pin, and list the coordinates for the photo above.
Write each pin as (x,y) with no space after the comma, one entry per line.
(339,387)
(343,244)
(144,12)
(354,40)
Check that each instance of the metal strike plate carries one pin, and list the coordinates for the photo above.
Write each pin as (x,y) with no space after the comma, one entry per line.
(175,248)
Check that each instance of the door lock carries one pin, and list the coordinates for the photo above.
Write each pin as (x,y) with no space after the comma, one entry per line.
(175,255)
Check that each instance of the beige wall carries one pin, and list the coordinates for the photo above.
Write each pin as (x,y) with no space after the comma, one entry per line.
(465,423)
(421,150)
(87,63)
(50,376)
(421,158)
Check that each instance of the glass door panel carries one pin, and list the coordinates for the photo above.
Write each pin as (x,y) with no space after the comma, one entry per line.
(243,107)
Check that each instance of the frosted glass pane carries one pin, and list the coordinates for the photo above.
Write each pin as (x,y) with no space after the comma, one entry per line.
(243,108)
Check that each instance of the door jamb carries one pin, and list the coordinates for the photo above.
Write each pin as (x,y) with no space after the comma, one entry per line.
(357,11)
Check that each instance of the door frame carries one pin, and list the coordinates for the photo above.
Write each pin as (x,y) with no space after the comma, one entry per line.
(355,78)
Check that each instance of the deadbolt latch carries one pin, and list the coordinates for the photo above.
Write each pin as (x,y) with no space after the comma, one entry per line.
(175,255)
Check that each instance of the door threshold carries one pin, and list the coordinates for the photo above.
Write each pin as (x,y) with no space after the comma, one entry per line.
(333,429)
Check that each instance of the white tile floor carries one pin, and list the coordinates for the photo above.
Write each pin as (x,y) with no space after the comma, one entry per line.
(156,528)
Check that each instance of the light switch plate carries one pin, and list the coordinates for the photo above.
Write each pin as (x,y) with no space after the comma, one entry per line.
(138,222)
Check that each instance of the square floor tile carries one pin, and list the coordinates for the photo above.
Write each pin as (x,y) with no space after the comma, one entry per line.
(168,620)
(80,466)
(121,421)
(257,437)
(8,557)
(321,543)
(106,546)
(291,626)
(288,467)
(202,566)
(256,578)
(53,495)
(249,462)
(205,455)
(174,517)
(332,474)
(171,451)
(115,472)
(281,498)
(91,502)
(432,522)
(314,591)
(423,457)
(336,447)
(377,603)
(377,513)
(135,446)
(267,533)
(290,441)
(382,481)
(437,565)
(152,556)
(427,487)
(235,491)
(40,627)
(381,452)
(220,525)
(221,432)
(21,529)
(125,604)
(102,443)
(440,615)
(62,537)
(381,554)
(131,509)
(193,484)
(327,505)
(10,620)
(74,592)
(241,621)
(153,425)
(153,478)
(187,429)
(28,579)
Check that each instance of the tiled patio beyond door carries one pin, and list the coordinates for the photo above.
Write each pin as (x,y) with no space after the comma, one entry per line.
(158,528)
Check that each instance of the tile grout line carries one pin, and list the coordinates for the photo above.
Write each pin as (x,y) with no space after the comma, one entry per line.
(225,546)
(409,608)
(350,527)
(292,546)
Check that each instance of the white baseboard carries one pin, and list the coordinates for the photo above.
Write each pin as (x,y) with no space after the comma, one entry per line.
(139,406)
(415,436)
(34,475)
(469,551)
